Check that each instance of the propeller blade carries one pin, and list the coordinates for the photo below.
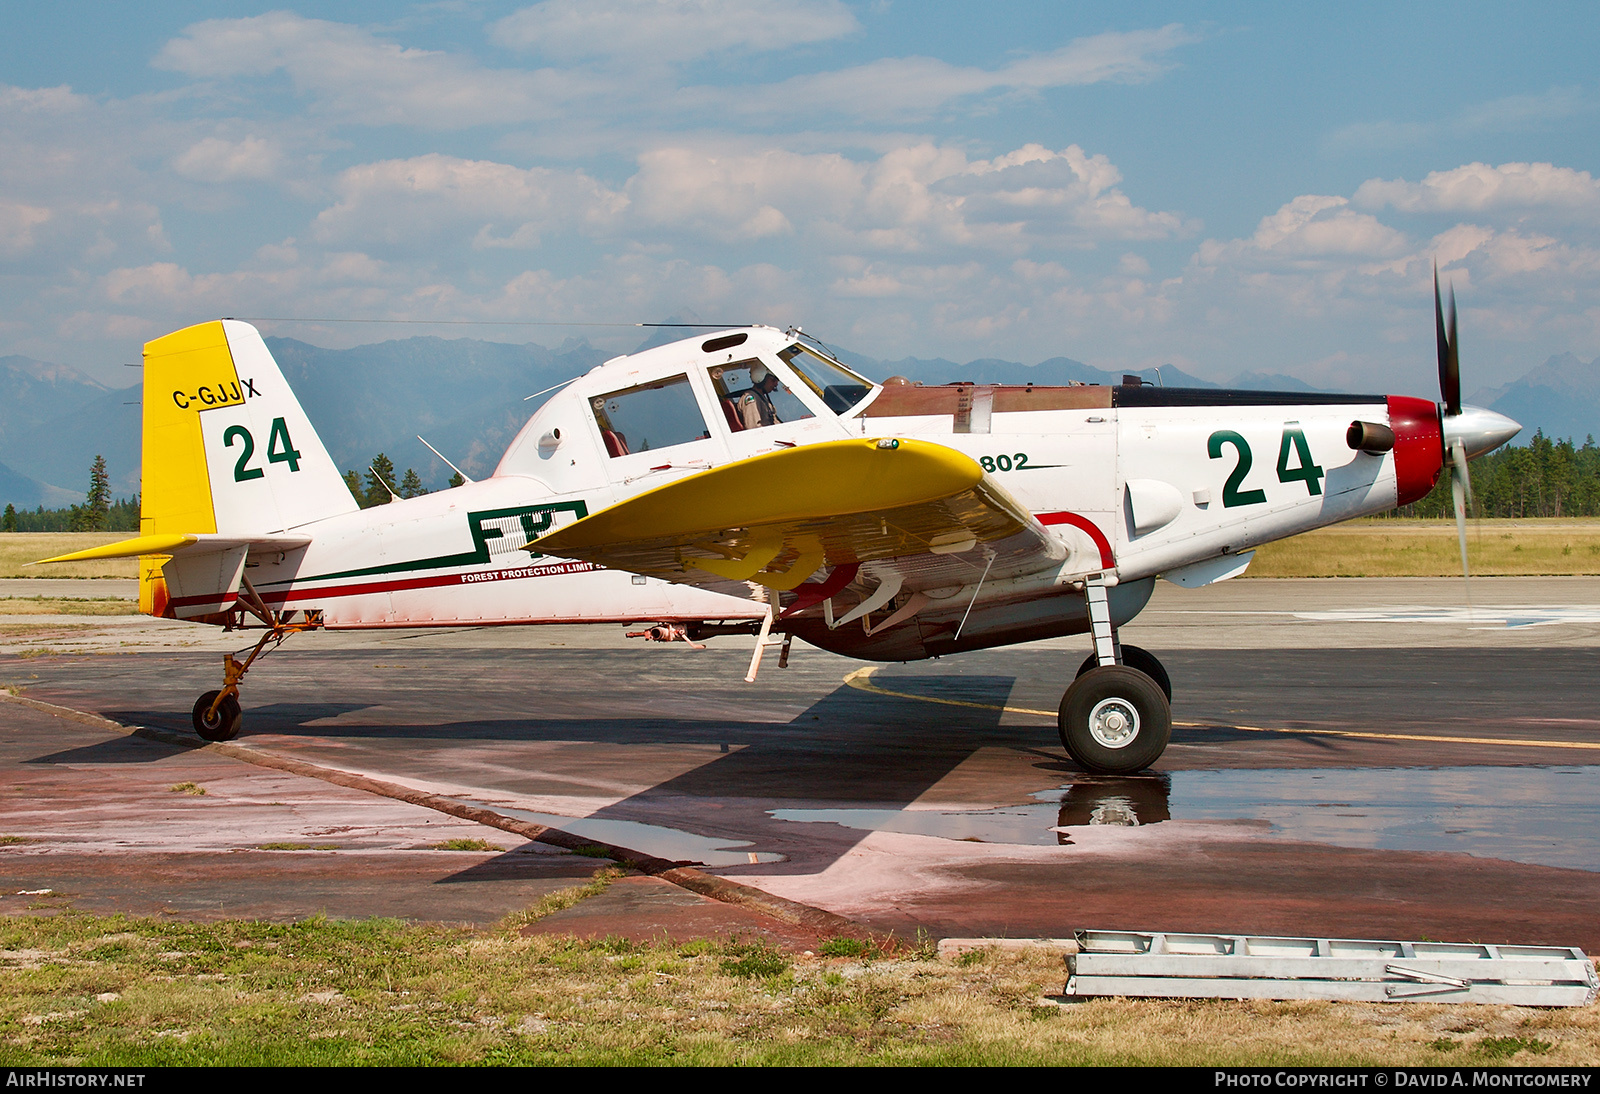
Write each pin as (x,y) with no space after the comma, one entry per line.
(1449,358)
(1452,402)
(1458,456)
(1460,491)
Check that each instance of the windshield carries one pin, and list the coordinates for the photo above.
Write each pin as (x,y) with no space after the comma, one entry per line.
(839,388)
(645,417)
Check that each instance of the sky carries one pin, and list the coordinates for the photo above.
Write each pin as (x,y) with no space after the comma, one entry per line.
(1228,187)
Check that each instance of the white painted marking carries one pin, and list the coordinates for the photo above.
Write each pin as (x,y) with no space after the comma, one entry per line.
(1460,616)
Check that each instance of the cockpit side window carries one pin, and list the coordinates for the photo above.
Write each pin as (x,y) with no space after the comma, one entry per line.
(649,416)
(839,388)
(753,397)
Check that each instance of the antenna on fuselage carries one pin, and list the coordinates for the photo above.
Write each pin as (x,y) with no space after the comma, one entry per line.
(464,476)
(535,395)
(380,478)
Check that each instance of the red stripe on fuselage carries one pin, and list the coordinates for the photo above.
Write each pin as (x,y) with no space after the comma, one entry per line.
(1085,525)
(478,577)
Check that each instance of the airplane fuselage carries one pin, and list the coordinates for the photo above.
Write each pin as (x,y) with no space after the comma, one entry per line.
(1133,481)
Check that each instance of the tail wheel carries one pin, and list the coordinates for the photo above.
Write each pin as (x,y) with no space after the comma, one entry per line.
(1141,659)
(223,725)
(1115,720)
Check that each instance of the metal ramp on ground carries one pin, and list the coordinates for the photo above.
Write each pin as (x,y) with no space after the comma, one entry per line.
(1214,966)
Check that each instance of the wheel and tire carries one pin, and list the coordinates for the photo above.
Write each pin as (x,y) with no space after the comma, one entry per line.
(1115,720)
(1143,660)
(221,726)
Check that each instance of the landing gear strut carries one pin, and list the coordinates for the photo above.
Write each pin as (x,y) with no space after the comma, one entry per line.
(1116,718)
(217,715)
(1136,658)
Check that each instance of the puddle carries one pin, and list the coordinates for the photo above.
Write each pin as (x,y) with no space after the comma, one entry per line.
(672,844)
(1548,816)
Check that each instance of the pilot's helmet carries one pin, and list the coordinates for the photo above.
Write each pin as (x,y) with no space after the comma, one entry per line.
(758,374)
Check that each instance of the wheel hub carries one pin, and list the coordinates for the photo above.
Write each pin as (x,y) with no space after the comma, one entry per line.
(1114,723)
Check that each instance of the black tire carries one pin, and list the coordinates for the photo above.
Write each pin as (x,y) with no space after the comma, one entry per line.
(1143,660)
(222,726)
(1115,720)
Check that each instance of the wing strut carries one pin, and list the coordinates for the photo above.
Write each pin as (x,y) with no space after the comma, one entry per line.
(764,639)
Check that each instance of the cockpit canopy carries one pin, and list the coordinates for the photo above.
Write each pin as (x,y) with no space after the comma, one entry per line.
(697,392)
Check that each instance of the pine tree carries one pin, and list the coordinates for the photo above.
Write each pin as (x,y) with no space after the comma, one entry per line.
(97,503)
(456,480)
(10,518)
(379,476)
(411,485)
(353,481)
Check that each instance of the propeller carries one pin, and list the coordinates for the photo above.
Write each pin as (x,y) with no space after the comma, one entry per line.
(1450,390)
(1468,431)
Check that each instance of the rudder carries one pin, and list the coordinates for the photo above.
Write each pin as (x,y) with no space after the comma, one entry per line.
(227,451)
(227,447)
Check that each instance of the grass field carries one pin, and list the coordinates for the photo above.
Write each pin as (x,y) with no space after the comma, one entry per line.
(1358,548)
(1429,548)
(91,991)
(19,548)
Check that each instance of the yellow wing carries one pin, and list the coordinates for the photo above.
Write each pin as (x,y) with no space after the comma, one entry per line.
(776,519)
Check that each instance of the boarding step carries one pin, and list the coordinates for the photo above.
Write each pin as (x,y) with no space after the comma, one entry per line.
(1216,966)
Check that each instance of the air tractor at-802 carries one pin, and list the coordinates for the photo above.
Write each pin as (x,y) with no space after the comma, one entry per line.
(745,482)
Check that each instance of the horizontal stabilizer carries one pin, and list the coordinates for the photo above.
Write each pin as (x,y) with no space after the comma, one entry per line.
(171,543)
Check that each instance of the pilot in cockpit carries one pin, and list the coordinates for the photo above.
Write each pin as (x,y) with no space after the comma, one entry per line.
(754,406)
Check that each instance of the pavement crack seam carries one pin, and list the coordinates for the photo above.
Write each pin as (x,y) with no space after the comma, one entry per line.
(685,877)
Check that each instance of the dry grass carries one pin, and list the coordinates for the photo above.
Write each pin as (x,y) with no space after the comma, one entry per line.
(1428,548)
(19,548)
(92,991)
(42,605)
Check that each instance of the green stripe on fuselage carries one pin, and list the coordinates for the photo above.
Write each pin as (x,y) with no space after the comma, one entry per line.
(536,520)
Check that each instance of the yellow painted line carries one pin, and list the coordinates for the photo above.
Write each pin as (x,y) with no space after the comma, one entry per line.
(860,679)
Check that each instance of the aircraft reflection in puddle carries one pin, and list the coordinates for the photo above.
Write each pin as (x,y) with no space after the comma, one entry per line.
(1094,799)
(1547,816)
(1125,802)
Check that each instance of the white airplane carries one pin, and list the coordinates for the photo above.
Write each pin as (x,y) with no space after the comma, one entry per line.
(746,482)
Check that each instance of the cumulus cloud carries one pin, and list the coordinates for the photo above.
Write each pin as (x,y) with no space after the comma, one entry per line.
(742,196)
(217,160)
(914,198)
(671,30)
(347,282)
(911,199)
(17,224)
(1313,229)
(1477,187)
(1033,184)
(414,203)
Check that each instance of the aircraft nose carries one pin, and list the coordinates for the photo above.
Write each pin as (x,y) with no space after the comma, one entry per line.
(1478,430)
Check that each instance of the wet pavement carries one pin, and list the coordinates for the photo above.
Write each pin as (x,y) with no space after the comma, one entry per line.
(1429,778)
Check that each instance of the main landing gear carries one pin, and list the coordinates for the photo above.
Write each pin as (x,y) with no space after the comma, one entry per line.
(217,715)
(1116,718)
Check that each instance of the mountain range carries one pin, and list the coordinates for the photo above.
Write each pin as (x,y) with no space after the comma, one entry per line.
(1560,397)
(470,397)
